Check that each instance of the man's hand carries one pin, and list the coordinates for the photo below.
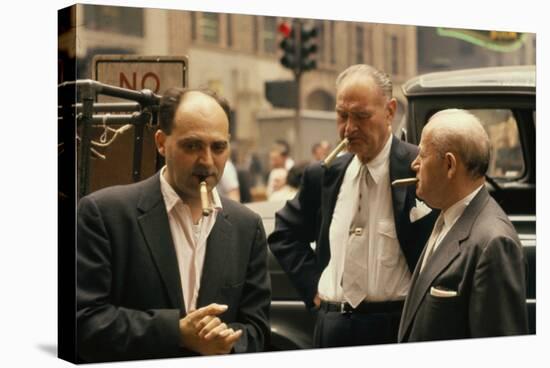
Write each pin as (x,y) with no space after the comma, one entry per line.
(317,301)
(204,333)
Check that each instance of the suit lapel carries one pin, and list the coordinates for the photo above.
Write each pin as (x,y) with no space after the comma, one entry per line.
(217,250)
(332,181)
(446,252)
(156,231)
(399,169)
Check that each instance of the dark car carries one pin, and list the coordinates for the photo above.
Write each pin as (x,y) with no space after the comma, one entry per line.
(504,99)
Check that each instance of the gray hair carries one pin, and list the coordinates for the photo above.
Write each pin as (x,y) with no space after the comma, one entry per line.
(459,131)
(382,79)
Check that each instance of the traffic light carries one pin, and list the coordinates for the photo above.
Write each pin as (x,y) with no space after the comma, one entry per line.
(308,48)
(288,45)
(299,46)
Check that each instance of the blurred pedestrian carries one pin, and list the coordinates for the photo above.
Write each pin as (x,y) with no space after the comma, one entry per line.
(279,158)
(320,150)
(229,182)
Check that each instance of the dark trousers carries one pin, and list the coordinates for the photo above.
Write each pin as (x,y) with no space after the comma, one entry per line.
(336,329)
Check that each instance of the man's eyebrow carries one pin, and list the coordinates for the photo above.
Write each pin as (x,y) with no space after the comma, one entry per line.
(352,111)
(190,139)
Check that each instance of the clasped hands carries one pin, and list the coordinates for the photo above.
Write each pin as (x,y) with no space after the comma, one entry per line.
(203,332)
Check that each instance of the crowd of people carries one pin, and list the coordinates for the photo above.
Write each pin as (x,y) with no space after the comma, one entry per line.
(280,181)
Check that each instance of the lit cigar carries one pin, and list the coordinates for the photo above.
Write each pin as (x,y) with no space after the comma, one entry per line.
(206,209)
(402,182)
(335,152)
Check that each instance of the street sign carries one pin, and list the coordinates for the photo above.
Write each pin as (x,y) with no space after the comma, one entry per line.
(156,73)
(137,72)
(281,93)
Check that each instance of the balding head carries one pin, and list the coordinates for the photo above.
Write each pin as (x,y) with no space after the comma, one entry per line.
(364,71)
(460,132)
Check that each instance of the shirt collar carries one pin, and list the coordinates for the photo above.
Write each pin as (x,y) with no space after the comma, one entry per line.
(171,198)
(377,166)
(452,214)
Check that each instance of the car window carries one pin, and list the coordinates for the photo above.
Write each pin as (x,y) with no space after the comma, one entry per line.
(506,154)
(507,160)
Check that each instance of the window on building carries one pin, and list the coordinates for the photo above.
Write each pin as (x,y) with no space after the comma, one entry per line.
(229,30)
(320,100)
(368,46)
(359,44)
(193,16)
(332,43)
(395,55)
(320,25)
(255,30)
(210,27)
(270,35)
(123,20)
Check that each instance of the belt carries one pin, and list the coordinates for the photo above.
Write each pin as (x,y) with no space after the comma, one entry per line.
(364,307)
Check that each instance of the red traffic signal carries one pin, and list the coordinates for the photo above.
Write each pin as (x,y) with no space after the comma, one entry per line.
(284,29)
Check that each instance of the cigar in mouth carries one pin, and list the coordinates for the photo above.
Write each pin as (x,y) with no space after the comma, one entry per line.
(206,208)
(402,182)
(335,152)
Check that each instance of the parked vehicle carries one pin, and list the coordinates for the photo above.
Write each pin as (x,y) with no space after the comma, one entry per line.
(504,99)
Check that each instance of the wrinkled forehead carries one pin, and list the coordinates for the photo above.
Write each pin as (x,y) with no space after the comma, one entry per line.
(357,87)
(198,111)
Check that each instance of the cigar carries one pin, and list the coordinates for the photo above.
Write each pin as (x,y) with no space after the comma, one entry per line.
(335,152)
(402,182)
(206,208)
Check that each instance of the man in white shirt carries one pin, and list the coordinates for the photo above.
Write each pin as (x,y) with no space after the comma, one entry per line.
(367,239)
(470,281)
(156,277)
(229,182)
(279,158)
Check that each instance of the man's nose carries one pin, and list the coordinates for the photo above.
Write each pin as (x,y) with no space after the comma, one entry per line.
(350,127)
(205,157)
(415,164)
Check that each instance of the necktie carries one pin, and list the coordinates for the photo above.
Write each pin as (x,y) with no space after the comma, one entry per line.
(355,263)
(433,240)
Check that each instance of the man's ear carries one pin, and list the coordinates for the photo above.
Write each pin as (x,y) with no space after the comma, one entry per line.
(391,108)
(160,141)
(450,161)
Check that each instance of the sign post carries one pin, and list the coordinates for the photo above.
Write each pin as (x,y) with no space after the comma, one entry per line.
(133,155)
(136,72)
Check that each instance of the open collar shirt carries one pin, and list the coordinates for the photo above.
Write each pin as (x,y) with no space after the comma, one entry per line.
(189,239)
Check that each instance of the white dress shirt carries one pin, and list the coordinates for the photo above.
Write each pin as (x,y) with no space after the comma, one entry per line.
(452,214)
(388,276)
(189,239)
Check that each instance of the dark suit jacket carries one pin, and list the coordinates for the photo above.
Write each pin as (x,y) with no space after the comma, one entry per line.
(481,259)
(129,297)
(307,218)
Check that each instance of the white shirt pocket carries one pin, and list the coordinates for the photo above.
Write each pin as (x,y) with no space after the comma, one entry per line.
(387,245)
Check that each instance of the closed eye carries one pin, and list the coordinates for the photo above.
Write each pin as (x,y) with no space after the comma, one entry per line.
(191,145)
(219,147)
